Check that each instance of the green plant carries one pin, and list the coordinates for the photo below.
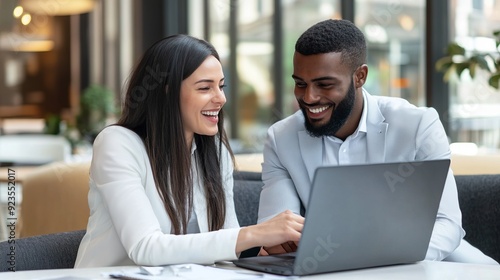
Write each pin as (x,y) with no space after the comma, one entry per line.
(458,59)
(52,124)
(96,106)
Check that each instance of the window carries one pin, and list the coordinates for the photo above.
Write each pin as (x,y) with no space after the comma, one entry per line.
(474,105)
(256,105)
(394,31)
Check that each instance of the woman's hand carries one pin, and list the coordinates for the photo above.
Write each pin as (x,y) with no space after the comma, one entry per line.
(284,228)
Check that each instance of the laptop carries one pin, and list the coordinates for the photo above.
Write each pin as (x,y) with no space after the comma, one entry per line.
(362,216)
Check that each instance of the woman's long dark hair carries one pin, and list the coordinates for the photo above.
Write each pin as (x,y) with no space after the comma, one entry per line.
(152,110)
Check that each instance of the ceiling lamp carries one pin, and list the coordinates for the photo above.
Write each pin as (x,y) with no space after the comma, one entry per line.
(58,7)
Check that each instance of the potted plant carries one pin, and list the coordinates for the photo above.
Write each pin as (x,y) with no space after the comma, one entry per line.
(96,107)
(458,59)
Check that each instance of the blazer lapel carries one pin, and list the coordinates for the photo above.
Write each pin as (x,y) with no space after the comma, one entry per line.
(311,150)
(376,132)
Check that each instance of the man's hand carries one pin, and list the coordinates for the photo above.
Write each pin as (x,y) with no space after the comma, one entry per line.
(287,247)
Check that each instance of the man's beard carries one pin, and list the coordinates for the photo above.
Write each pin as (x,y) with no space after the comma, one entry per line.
(337,120)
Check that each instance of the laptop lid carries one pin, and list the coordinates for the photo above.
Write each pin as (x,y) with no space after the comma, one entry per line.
(365,216)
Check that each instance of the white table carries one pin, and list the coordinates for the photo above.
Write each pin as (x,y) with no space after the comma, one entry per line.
(418,271)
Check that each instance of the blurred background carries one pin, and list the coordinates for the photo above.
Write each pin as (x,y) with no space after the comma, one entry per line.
(64,63)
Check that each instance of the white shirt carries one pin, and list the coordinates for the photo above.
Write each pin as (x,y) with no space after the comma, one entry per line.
(350,151)
(128,223)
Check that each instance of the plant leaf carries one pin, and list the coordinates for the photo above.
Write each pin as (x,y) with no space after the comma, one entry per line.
(449,73)
(444,63)
(496,33)
(481,61)
(454,49)
(494,80)
(460,67)
(472,69)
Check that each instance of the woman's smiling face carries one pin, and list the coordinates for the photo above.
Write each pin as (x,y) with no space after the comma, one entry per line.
(202,98)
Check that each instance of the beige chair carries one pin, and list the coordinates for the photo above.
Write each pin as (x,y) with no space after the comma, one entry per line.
(475,164)
(54,199)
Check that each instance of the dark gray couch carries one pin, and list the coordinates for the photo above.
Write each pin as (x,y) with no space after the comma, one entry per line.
(50,251)
(479,197)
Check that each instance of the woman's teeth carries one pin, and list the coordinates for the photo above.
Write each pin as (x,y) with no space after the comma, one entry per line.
(210,113)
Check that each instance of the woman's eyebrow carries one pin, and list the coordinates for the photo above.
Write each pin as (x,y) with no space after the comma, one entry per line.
(204,81)
(208,81)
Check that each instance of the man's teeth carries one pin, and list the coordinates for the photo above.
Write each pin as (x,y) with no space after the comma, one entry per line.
(318,110)
(210,113)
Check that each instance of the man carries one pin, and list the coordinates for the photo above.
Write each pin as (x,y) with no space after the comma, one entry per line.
(340,123)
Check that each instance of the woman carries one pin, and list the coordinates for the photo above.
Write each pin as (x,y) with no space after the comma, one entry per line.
(161,178)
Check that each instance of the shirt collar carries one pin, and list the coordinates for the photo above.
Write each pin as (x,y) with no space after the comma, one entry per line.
(193,147)
(362,121)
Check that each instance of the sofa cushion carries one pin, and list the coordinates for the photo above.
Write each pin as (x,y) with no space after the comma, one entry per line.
(49,251)
(247,187)
(479,198)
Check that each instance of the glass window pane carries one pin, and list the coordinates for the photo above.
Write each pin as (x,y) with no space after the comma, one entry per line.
(297,17)
(475,105)
(254,51)
(395,33)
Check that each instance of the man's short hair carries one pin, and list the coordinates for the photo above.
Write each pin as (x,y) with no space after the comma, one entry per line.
(334,35)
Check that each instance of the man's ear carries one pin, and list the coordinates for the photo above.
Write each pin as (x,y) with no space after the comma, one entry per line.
(360,75)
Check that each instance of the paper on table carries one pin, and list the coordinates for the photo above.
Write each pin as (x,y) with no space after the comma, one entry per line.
(193,272)
(65,278)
